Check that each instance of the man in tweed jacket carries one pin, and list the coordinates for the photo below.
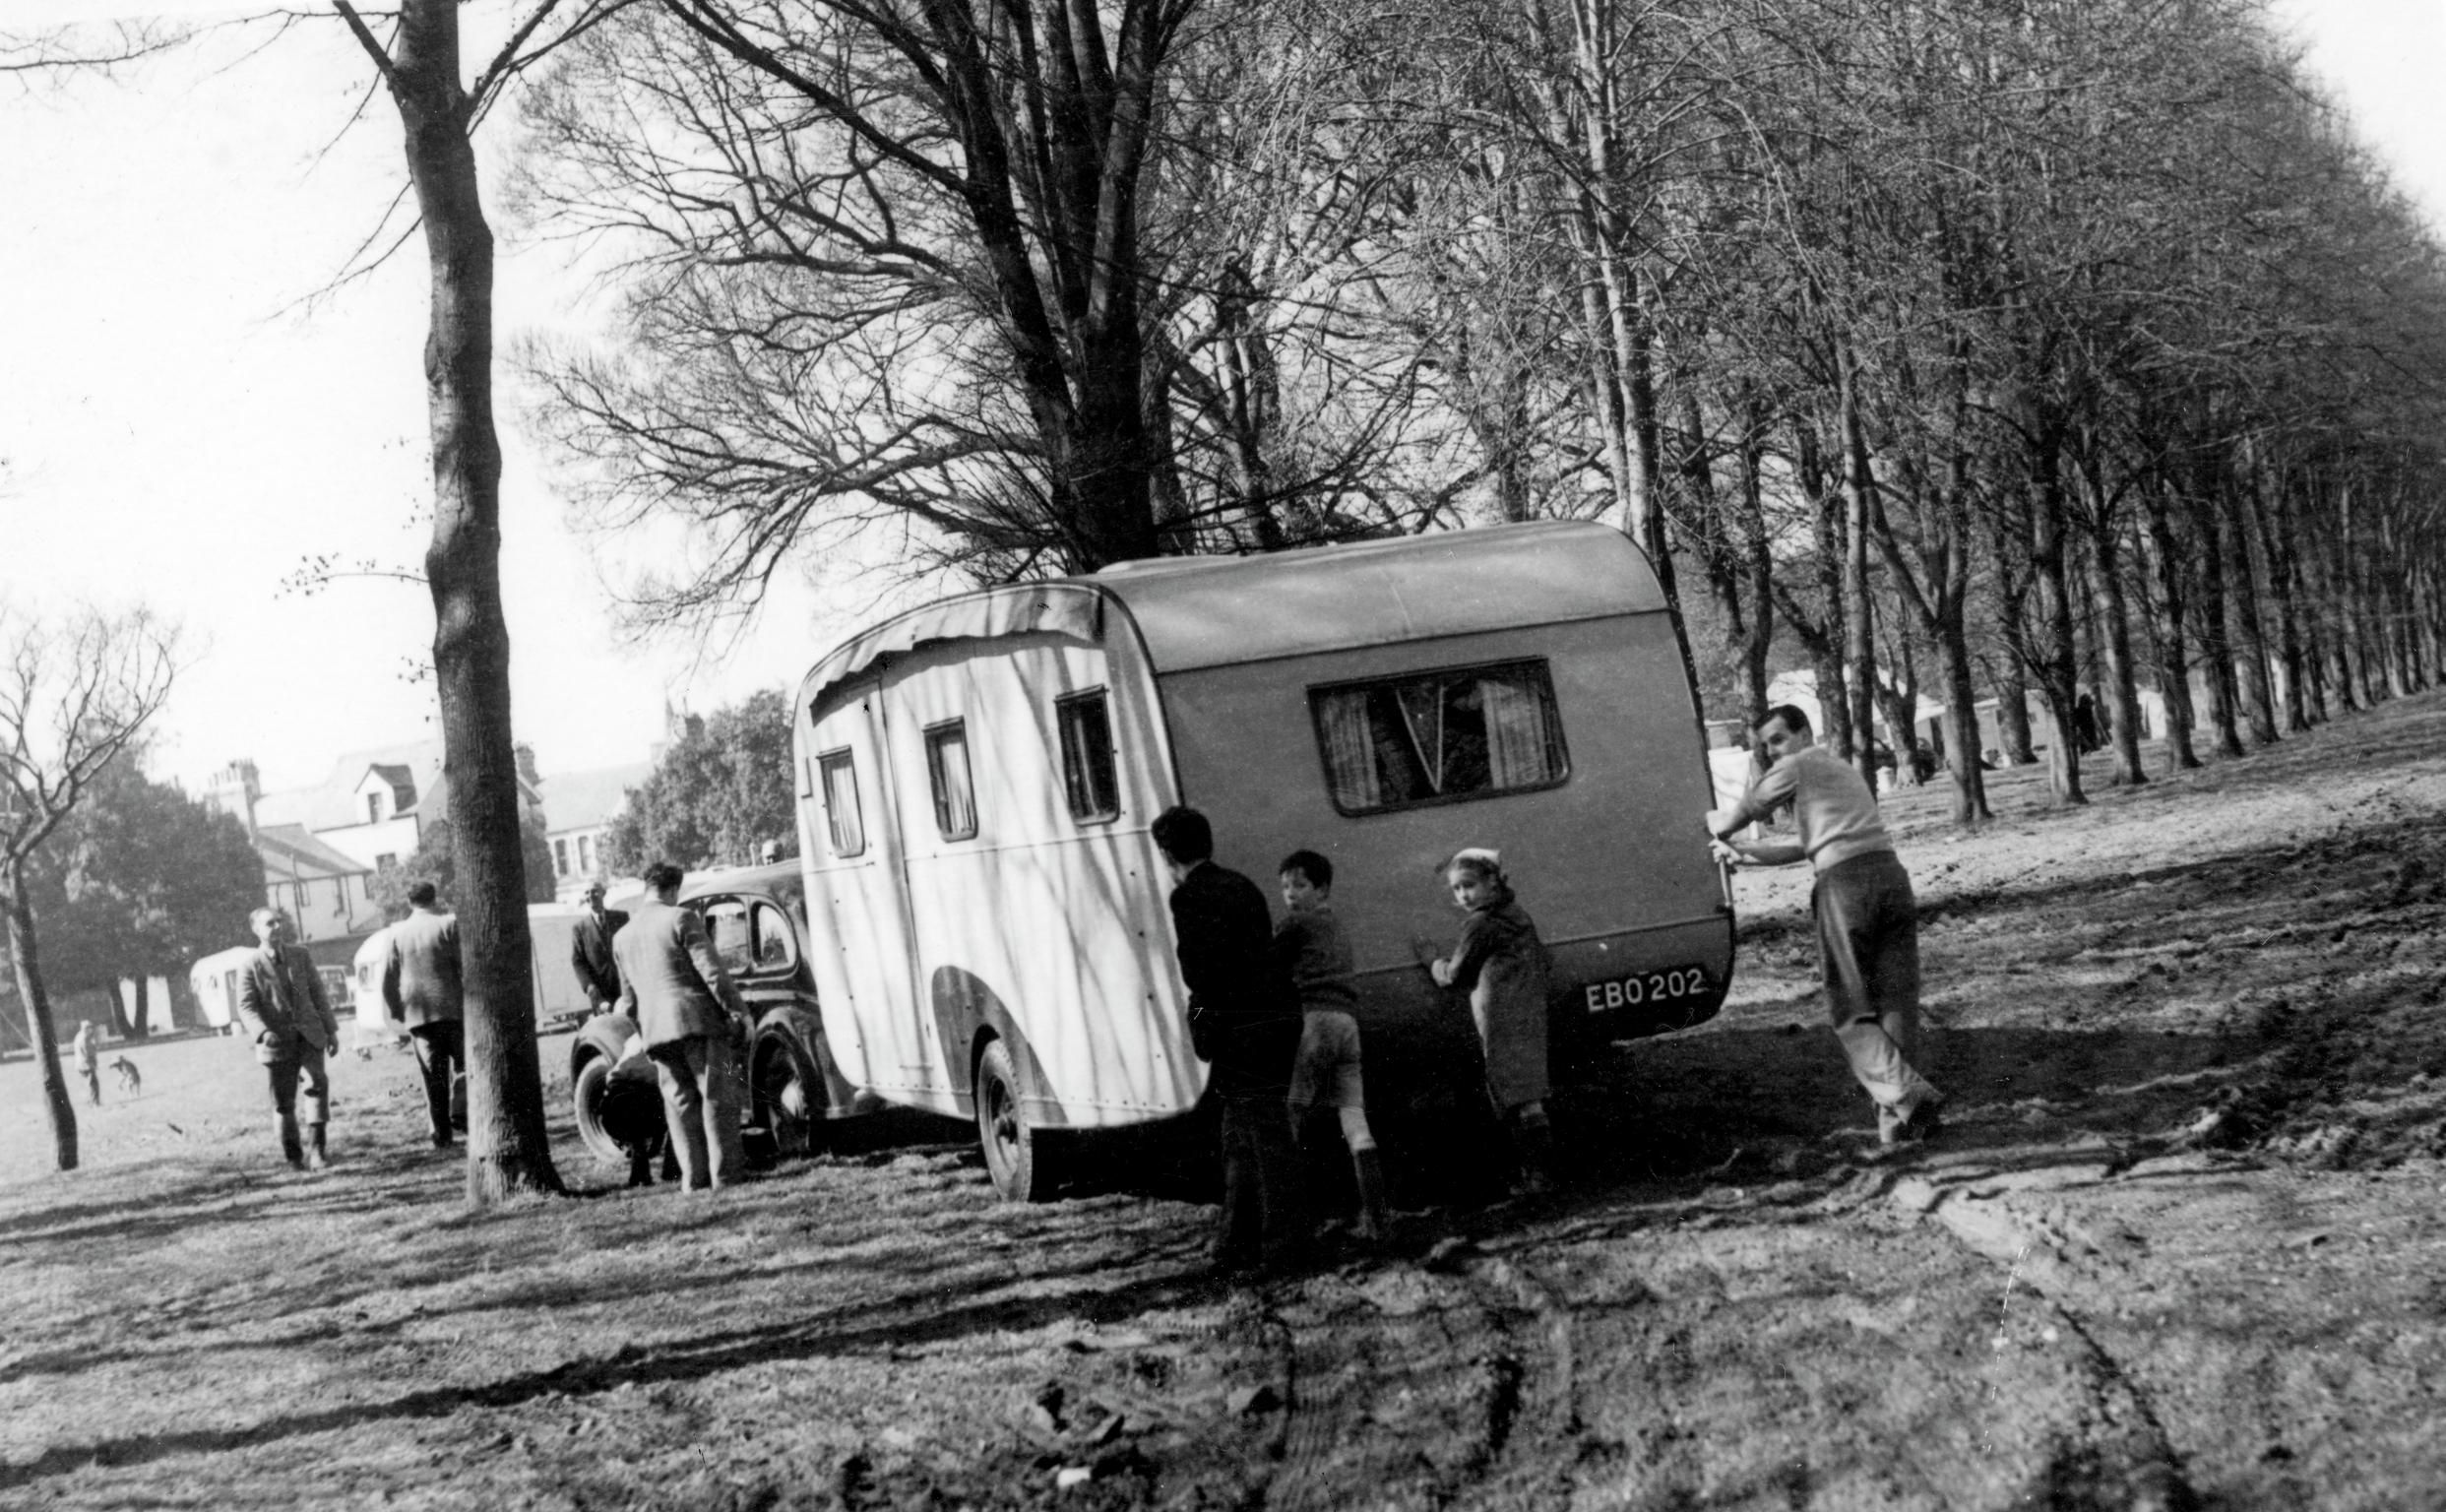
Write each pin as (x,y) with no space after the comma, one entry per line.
(288,1016)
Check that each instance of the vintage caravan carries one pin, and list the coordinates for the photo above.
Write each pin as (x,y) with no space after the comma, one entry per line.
(374,1023)
(976,780)
(214,981)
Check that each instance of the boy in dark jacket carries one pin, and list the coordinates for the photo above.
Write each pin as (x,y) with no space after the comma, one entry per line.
(1244,1018)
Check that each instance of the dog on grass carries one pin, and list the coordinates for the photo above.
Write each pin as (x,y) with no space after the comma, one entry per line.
(130,1080)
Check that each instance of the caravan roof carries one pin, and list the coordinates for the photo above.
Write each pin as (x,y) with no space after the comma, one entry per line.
(1196,611)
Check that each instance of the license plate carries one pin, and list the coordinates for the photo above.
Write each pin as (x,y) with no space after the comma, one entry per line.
(1671,985)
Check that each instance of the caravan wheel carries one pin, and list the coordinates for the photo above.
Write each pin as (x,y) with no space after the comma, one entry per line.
(1015,1151)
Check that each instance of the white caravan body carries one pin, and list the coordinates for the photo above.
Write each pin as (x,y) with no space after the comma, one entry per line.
(975,779)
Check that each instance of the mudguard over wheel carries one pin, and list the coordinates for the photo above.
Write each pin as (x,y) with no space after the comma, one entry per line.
(1017,1153)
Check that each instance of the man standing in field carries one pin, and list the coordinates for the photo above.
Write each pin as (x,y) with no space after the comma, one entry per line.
(1867,921)
(421,987)
(674,987)
(288,1016)
(1244,1017)
(590,950)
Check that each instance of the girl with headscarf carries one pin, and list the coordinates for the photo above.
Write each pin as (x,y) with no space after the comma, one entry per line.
(1501,962)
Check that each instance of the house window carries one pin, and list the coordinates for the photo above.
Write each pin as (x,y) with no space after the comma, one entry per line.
(560,857)
(373,808)
(340,894)
(1439,737)
(585,853)
(1088,775)
(837,775)
(297,896)
(947,767)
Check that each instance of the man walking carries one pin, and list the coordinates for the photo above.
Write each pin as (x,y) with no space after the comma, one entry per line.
(288,1016)
(675,988)
(1867,921)
(420,987)
(1244,1017)
(590,950)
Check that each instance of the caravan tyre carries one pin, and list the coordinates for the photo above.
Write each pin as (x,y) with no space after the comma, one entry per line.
(1015,1151)
(585,1096)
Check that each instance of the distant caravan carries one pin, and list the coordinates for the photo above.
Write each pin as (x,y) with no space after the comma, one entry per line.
(976,780)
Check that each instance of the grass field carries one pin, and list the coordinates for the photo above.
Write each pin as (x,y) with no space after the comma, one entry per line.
(2178,1248)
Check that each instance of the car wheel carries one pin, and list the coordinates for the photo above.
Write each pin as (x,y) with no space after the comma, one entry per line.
(786,1092)
(1016,1152)
(585,1096)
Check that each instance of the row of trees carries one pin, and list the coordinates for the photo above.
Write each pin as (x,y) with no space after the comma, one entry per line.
(2000,350)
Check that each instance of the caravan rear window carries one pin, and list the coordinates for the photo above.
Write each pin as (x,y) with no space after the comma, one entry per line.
(1087,776)
(947,767)
(846,826)
(1439,737)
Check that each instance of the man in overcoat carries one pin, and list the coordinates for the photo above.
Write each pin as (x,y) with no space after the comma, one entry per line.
(287,1014)
(420,987)
(590,950)
(682,1000)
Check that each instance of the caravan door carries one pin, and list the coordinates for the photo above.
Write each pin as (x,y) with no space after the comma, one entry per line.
(857,886)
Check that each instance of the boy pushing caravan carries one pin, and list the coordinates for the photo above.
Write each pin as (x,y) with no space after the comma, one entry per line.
(1309,948)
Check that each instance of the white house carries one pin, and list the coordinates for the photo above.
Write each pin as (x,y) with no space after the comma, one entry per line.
(578,807)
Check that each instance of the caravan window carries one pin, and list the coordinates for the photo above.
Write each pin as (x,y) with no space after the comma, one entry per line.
(841,818)
(1086,756)
(947,767)
(1439,737)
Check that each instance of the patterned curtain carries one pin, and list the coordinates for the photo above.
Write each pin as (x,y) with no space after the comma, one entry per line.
(1349,755)
(1516,732)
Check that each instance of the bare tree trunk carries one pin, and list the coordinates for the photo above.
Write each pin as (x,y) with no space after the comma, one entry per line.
(2056,660)
(2256,507)
(2114,640)
(2216,650)
(508,1150)
(24,958)
(1859,646)
(2258,699)
(2167,631)
(2013,716)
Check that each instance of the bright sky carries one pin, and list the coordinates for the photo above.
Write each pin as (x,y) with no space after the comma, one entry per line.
(176,430)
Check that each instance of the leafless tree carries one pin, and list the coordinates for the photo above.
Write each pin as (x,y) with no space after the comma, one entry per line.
(76,688)
(439,109)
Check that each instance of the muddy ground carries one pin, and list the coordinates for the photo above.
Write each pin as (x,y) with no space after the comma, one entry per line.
(2180,1247)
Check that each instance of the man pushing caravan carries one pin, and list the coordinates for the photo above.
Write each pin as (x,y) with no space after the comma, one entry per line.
(1867,924)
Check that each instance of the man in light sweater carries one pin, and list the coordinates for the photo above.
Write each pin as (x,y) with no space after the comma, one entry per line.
(1867,924)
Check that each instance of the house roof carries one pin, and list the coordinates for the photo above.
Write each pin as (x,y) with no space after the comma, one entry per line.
(587,800)
(332,804)
(288,851)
